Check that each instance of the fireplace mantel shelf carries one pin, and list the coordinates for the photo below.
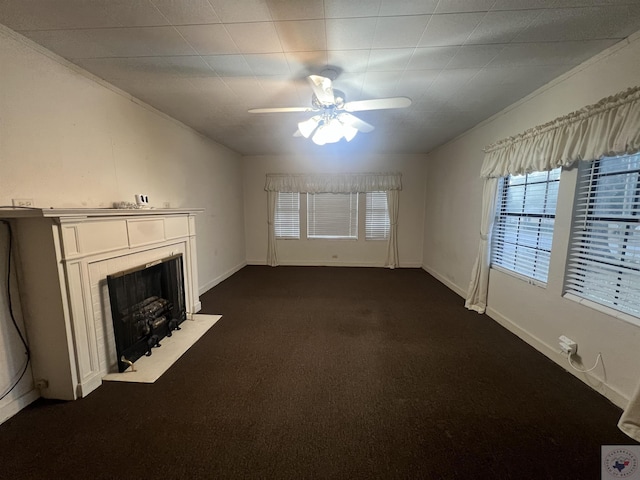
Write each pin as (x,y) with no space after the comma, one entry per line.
(92,212)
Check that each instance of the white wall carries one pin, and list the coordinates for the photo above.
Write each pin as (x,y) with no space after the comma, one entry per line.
(452,219)
(336,252)
(67,140)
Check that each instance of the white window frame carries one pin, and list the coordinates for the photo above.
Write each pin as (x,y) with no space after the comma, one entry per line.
(287,216)
(377,224)
(332,216)
(523,225)
(603,265)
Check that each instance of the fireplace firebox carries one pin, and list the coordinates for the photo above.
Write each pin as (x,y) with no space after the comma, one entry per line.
(147,304)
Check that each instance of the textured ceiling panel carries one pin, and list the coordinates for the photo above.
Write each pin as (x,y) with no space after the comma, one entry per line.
(206,62)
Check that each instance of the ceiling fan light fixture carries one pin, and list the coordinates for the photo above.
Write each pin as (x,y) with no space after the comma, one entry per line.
(333,122)
(328,131)
(349,132)
(332,131)
(308,126)
(319,138)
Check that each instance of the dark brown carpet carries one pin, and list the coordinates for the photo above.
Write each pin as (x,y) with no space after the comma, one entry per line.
(329,373)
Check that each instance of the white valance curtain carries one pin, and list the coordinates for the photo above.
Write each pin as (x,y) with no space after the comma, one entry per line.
(334,183)
(609,127)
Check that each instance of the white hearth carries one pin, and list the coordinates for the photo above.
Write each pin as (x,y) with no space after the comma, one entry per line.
(149,369)
(64,257)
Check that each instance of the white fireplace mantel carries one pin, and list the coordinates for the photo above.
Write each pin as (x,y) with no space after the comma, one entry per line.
(64,257)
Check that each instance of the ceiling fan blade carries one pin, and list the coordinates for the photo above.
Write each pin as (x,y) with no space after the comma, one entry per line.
(281,110)
(355,122)
(377,104)
(322,88)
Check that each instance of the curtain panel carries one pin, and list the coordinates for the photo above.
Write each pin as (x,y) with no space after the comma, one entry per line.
(272,253)
(392,244)
(607,128)
(333,183)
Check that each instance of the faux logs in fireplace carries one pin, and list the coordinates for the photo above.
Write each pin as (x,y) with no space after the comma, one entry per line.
(147,304)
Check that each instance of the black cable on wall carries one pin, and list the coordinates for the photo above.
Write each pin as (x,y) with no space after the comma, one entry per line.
(11,313)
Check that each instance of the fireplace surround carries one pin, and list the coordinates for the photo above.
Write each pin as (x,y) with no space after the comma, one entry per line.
(64,257)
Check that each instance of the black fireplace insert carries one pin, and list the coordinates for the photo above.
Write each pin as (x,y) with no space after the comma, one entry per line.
(147,304)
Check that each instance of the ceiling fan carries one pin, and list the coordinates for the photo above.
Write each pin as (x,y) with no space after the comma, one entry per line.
(333,120)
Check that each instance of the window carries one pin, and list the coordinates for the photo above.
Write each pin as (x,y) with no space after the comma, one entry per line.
(604,254)
(287,215)
(523,226)
(332,215)
(377,216)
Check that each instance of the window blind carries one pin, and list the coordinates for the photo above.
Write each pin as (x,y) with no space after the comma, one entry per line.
(604,252)
(332,215)
(377,216)
(287,215)
(523,226)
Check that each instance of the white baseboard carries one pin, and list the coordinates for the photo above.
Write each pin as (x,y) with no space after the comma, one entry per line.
(331,264)
(335,264)
(410,265)
(550,352)
(13,407)
(220,278)
(446,281)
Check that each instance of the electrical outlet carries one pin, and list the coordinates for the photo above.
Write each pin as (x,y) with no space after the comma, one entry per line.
(41,383)
(567,345)
(22,202)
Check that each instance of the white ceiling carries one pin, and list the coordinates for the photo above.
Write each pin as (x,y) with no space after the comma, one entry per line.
(205,62)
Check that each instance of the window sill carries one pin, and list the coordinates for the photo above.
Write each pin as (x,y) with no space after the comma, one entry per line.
(318,238)
(333,239)
(603,309)
(381,240)
(519,276)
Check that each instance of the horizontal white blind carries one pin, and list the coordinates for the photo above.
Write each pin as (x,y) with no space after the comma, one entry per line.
(604,254)
(523,226)
(332,215)
(377,216)
(287,217)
